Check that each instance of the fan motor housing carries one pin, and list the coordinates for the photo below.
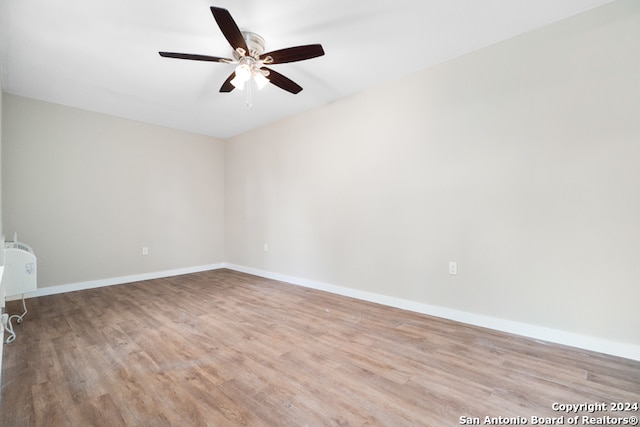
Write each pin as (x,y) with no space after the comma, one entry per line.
(255,43)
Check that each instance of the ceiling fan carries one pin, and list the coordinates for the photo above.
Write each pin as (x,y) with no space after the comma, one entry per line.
(249,55)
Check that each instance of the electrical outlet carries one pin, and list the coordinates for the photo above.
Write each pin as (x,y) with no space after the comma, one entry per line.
(453,267)
(145,250)
(266,247)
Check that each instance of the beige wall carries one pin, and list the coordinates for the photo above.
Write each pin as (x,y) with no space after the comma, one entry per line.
(88,191)
(1,232)
(2,291)
(521,162)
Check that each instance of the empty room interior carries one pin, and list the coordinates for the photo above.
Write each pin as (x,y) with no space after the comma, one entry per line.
(429,216)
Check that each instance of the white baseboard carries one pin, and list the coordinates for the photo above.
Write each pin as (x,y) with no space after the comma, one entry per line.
(52,290)
(600,345)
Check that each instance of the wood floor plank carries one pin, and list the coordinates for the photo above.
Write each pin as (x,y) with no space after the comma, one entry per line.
(223,348)
(100,411)
(53,404)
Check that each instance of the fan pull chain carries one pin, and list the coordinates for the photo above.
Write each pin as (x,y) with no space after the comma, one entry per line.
(248,101)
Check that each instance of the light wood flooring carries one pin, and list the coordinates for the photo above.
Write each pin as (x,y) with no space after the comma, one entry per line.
(223,348)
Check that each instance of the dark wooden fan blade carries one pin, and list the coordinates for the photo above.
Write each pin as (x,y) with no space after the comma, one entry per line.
(282,82)
(229,28)
(194,57)
(293,54)
(227,86)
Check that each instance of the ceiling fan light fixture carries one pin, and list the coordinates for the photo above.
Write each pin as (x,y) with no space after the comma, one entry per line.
(260,79)
(250,57)
(243,75)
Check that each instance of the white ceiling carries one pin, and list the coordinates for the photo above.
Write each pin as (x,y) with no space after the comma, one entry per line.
(103,55)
